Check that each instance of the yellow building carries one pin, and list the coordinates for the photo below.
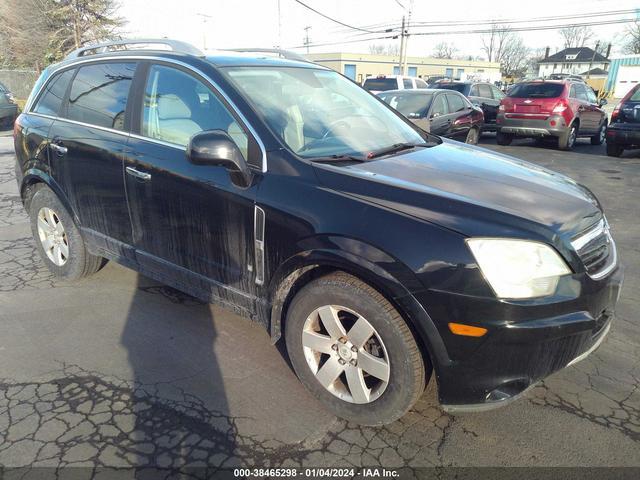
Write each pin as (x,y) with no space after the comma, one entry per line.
(359,66)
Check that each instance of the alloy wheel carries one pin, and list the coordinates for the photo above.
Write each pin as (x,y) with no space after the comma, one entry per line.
(52,236)
(603,132)
(572,137)
(346,354)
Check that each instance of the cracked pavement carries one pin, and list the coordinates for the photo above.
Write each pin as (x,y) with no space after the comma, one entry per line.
(118,370)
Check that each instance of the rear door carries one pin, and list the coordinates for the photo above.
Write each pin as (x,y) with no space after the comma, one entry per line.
(588,113)
(459,114)
(86,146)
(630,108)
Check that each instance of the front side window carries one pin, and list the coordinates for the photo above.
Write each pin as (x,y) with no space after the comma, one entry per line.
(406,82)
(51,99)
(440,106)
(485,90)
(99,94)
(318,112)
(421,83)
(178,105)
(411,105)
(456,102)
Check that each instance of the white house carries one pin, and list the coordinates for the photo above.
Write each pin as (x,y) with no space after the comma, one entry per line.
(574,61)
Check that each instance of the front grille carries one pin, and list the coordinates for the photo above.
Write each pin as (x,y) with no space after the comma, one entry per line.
(596,249)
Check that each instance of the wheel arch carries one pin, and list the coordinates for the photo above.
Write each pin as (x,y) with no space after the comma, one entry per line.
(306,266)
(35,179)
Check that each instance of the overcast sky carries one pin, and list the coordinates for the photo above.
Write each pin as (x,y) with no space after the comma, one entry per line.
(254,23)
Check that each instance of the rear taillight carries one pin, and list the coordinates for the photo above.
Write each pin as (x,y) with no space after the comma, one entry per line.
(615,113)
(560,107)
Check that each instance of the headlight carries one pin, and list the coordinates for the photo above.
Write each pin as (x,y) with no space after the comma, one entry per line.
(518,268)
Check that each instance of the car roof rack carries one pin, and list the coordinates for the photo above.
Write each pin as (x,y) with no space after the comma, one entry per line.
(278,51)
(125,44)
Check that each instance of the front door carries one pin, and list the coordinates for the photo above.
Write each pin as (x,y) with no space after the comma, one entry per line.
(191,222)
(439,117)
(85,151)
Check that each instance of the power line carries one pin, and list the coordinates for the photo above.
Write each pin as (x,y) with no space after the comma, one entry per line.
(333,19)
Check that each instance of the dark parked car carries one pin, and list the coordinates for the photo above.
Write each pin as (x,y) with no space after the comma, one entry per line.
(484,95)
(8,107)
(279,188)
(623,132)
(444,113)
(560,109)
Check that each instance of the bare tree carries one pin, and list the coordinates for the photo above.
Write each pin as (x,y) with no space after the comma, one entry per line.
(384,49)
(38,32)
(576,36)
(494,43)
(514,58)
(632,45)
(444,50)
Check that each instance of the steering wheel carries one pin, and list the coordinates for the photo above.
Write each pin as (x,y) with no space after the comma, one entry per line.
(333,125)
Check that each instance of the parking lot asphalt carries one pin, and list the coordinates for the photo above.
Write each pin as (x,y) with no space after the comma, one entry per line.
(118,370)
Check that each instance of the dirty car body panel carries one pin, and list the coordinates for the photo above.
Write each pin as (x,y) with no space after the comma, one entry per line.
(399,222)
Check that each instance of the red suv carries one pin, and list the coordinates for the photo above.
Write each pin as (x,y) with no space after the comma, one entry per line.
(565,109)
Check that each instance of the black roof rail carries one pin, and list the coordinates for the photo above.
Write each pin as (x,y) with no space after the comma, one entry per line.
(278,51)
(124,44)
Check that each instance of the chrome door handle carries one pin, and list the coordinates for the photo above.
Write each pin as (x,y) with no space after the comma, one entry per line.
(59,149)
(138,174)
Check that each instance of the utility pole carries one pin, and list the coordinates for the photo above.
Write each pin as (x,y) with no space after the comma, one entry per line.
(592,59)
(403,69)
(204,17)
(400,63)
(279,27)
(306,37)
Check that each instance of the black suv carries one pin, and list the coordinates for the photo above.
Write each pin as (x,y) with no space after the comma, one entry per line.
(484,95)
(381,253)
(624,130)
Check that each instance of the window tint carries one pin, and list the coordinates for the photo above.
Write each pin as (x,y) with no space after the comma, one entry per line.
(406,82)
(581,92)
(439,106)
(456,102)
(411,105)
(380,84)
(51,99)
(99,94)
(536,90)
(177,105)
(497,94)
(485,90)
(421,83)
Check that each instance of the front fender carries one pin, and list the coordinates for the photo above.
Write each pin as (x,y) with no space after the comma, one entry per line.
(383,272)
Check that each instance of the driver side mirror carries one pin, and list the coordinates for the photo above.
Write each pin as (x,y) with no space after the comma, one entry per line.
(435,115)
(216,148)
(602,102)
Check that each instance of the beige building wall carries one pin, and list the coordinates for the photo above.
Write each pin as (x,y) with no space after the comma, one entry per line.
(359,66)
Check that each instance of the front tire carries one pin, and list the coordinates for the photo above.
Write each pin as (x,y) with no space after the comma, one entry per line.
(58,239)
(614,150)
(504,139)
(353,351)
(472,136)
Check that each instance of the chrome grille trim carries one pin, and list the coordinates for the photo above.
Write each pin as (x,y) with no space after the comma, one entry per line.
(601,228)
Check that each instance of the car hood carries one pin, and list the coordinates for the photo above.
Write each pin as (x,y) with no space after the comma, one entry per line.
(471,190)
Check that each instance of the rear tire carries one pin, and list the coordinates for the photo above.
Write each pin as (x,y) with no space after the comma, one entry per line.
(599,137)
(614,150)
(337,370)
(58,239)
(567,140)
(504,138)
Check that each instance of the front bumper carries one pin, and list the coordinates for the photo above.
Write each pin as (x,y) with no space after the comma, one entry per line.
(533,126)
(526,341)
(623,134)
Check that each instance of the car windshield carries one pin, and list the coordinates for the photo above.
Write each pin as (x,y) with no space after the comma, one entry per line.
(536,90)
(411,105)
(319,113)
(380,84)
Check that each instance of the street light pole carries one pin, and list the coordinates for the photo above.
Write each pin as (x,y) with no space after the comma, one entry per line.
(306,37)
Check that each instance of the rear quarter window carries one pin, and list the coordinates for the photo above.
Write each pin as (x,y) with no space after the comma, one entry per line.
(51,99)
(99,94)
(536,90)
(380,84)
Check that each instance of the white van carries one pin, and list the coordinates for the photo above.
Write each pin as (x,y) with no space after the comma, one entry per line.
(382,83)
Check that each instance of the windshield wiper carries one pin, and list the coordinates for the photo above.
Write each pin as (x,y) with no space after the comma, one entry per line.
(338,159)
(396,147)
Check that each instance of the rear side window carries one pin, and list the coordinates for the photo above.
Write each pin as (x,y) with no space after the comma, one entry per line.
(380,84)
(485,90)
(99,94)
(406,82)
(51,99)
(421,83)
(536,90)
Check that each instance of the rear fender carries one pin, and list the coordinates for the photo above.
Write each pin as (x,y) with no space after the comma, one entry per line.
(33,177)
